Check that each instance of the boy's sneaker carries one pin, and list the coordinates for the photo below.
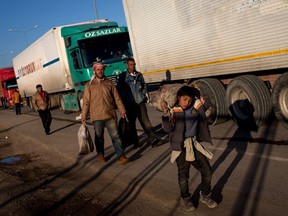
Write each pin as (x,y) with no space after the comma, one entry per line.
(208,201)
(188,204)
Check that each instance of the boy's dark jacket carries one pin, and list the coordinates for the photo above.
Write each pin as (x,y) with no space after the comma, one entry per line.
(176,130)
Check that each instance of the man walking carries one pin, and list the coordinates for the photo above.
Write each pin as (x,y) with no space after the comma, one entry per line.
(41,103)
(100,100)
(133,91)
(16,100)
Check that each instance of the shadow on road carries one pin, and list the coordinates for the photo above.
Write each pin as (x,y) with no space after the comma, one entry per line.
(254,178)
(62,128)
(240,147)
(255,170)
(16,125)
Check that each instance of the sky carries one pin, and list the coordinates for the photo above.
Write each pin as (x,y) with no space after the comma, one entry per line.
(22,16)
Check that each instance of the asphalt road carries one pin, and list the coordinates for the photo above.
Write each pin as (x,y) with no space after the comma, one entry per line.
(250,169)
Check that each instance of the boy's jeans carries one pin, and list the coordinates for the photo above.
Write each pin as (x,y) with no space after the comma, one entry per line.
(111,126)
(200,163)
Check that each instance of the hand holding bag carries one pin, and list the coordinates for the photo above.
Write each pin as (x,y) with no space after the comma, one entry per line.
(125,132)
(85,141)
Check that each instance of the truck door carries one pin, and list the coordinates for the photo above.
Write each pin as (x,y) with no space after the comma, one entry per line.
(79,74)
(76,59)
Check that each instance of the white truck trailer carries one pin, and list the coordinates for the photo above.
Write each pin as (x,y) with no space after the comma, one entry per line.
(61,60)
(235,51)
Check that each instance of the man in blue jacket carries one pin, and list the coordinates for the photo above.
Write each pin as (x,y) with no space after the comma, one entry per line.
(133,91)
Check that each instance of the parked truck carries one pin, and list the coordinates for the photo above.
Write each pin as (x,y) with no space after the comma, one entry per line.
(8,84)
(234,51)
(62,58)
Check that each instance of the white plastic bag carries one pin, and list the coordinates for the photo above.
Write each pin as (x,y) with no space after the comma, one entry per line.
(85,141)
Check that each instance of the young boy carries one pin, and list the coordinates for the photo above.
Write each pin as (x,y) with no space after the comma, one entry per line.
(187,126)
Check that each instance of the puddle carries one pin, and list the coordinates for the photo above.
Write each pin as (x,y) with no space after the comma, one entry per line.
(10,160)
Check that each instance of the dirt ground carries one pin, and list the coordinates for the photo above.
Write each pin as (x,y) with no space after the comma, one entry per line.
(34,181)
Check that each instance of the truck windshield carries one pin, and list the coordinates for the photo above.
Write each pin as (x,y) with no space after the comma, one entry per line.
(108,49)
(11,83)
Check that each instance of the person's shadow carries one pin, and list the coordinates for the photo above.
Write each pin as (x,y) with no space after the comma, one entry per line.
(238,142)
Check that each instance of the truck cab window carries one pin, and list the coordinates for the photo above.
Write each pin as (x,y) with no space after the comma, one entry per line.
(75,55)
(110,49)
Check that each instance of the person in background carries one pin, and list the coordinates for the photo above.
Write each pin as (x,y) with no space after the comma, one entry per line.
(188,129)
(16,100)
(41,103)
(100,100)
(133,91)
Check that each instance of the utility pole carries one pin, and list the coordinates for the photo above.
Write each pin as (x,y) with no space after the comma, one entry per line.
(95,9)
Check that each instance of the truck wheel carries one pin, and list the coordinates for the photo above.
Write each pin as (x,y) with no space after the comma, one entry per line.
(80,99)
(215,90)
(4,103)
(54,102)
(62,105)
(249,101)
(280,99)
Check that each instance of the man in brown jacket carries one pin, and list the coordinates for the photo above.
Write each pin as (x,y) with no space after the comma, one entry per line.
(100,100)
(41,104)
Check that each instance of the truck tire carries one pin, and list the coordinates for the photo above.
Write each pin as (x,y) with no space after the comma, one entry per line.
(54,102)
(249,101)
(62,105)
(280,99)
(80,99)
(4,103)
(215,90)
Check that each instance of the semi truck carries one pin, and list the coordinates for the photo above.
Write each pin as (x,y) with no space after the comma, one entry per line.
(61,60)
(236,52)
(8,84)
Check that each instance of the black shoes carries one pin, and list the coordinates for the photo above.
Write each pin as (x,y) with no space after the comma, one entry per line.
(47,132)
(154,142)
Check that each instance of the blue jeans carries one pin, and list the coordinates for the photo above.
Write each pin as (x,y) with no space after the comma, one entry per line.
(111,126)
(200,163)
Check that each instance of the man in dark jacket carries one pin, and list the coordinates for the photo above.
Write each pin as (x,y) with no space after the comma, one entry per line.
(133,91)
